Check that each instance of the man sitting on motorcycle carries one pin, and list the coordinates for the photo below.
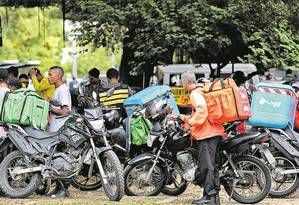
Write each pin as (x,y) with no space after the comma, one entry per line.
(206,136)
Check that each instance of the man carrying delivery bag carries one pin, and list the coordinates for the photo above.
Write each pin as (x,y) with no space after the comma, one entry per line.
(207,136)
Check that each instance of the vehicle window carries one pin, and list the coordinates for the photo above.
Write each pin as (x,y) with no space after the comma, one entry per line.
(175,79)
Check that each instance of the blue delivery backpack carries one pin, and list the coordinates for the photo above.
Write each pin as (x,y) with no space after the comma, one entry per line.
(141,99)
(273,105)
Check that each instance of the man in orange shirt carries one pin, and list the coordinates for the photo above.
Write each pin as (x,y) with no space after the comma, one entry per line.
(207,137)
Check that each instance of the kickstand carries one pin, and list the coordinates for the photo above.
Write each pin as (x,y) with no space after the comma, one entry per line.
(234,186)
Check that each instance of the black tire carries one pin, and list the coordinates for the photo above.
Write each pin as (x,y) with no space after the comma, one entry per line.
(179,187)
(110,163)
(43,188)
(80,181)
(227,181)
(158,185)
(282,194)
(5,186)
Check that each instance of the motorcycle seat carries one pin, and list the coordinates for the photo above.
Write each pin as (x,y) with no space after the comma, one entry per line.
(39,134)
(243,137)
(292,134)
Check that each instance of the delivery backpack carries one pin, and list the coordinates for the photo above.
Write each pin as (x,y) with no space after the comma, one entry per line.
(226,102)
(25,107)
(140,129)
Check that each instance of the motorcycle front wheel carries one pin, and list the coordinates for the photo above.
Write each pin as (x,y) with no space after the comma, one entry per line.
(115,187)
(245,188)
(17,186)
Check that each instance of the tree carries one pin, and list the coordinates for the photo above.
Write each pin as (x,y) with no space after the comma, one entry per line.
(199,31)
(36,34)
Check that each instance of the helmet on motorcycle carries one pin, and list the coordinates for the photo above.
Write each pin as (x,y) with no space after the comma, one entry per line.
(157,110)
(112,119)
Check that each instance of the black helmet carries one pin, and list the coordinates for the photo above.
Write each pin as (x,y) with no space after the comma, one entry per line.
(157,110)
(112,119)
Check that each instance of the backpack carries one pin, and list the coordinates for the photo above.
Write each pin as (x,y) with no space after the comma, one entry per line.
(226,102)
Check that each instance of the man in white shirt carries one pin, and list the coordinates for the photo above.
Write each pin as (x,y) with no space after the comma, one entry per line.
(63,97)
(3,85)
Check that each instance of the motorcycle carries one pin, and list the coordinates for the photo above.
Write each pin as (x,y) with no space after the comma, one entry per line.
(284,145)
(61,155)
(148,174)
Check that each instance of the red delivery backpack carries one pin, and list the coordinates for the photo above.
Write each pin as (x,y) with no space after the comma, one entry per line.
(226,102)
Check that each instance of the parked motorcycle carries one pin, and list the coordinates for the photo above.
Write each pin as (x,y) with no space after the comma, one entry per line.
(147,174)
(284,145)
(60,155)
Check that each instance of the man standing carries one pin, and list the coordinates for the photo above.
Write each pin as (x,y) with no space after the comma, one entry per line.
(41,84)
(86,88)
(207,137)
(63,97)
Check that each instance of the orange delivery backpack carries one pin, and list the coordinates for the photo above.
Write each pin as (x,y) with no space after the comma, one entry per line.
(226,102)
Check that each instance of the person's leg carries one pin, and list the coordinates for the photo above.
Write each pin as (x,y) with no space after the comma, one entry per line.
(208,170)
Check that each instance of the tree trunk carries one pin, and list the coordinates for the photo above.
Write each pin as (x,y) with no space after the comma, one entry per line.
(127,55)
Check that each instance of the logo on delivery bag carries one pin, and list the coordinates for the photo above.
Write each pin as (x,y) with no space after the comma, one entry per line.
(264,101)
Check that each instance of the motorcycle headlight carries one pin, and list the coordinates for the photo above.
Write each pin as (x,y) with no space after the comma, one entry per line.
(97,125)
(151,139)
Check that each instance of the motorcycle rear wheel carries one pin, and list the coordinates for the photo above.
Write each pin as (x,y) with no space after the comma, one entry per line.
(85,183)
(176,184)
(135,175)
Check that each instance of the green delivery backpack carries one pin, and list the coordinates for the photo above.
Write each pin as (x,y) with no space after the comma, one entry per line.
(140,129)
(25,107)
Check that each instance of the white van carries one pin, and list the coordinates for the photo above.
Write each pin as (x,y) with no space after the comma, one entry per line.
(171,74)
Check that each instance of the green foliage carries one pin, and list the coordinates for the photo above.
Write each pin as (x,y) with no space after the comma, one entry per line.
(37,34)
(155,31)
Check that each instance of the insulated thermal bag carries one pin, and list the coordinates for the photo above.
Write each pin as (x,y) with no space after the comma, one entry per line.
(226,102)
(25,107)
(273,105)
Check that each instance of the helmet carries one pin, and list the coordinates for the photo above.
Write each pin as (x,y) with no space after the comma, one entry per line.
(157,110)
(112,119)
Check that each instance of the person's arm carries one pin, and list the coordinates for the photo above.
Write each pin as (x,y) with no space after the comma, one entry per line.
(64,110)
(40,86)
(201,111)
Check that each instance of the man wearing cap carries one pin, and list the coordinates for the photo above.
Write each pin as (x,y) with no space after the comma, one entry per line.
(86,88)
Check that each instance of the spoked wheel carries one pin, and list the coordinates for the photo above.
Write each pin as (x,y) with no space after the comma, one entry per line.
(21,185)
(114,183)
(283,184)
(135,179)
(176,184)
(245,188)
(88,179)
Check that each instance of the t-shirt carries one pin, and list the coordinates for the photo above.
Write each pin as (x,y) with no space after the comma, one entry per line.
(63,96)
(3,91)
